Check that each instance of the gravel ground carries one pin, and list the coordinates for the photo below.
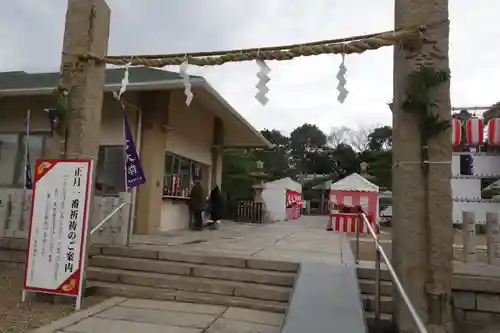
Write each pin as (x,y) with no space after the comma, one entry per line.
(17,317)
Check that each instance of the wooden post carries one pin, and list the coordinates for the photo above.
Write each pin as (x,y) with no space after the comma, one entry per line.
(155,121)
(422,201)
(86,31)
(493,238)
(217,154)
(469,236)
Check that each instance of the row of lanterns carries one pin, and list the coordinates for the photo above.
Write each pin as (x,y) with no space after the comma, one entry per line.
(474,132)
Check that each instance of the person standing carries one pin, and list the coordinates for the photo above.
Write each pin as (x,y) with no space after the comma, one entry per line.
(197,205)
(215,204)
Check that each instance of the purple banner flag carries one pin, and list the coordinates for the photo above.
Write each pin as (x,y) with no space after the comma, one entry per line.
(51,114)
(28,180)
(133,168)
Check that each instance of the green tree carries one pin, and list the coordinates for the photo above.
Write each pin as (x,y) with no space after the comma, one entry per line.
(275,159)
(277,139)
(307,142)
(306,151)
(236,179)
(379,155)
(380,139)
(346,160)
(380,166)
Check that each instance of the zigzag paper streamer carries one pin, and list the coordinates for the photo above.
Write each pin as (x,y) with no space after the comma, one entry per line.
(187,83)
(262,88)
(343,92)
(125,81)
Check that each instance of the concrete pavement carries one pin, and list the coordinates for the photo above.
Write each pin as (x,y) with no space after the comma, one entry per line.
(290,241)
(295,240)
(122,315)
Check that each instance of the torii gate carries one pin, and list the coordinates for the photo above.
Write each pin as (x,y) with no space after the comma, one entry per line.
(423,234)
(422,204)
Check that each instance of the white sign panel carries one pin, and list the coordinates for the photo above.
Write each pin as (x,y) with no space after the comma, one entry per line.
(58,228)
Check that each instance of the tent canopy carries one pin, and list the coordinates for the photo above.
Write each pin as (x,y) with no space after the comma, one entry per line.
(354,182)
(284,183)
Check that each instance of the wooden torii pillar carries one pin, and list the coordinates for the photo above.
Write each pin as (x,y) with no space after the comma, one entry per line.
(81,83)
(423,232)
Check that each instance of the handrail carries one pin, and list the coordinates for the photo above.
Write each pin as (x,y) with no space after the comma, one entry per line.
(110,215)
(381,253)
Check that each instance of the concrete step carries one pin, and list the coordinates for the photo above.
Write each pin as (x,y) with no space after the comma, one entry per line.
(386,323)
(190,283)
(369,303)
(116,289)
(366,270)
(368,287)
(195,258)
(286,279)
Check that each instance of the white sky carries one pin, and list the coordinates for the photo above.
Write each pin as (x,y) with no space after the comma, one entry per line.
(302,90)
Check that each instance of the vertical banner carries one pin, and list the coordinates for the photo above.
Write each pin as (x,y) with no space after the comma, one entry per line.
(58,227)
(293,204)
(28,180)
(51,115)
(133,168)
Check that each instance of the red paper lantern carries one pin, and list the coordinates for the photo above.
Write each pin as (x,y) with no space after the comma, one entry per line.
(456,132)
(494,132)
(474,131)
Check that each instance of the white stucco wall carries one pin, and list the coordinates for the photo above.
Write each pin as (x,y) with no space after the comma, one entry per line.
(174,215)
(190,136)
(192,130)
(13,114)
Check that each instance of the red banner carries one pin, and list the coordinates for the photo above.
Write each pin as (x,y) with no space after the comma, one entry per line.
(293,204)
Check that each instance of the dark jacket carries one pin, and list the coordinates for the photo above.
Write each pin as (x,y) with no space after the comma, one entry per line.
(215,201)
(197,197)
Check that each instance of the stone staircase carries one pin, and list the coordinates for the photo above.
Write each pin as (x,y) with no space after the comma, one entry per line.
(366,281)
(198,278)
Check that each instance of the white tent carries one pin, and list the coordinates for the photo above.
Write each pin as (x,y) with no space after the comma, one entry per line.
(354,182)
(285,183)
(274,197)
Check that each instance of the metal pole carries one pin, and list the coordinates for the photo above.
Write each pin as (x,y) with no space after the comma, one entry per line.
(377,291)
(138,144)
(399,286)
(108,217)
(358,226)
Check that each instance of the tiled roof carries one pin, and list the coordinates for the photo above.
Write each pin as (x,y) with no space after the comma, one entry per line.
(23,80)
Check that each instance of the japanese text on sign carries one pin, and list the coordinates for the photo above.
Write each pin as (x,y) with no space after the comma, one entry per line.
(58,226)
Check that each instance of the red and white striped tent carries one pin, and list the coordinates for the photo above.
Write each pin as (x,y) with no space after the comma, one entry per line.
(354,190)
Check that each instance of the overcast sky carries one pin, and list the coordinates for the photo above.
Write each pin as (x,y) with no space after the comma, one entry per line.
(302,90)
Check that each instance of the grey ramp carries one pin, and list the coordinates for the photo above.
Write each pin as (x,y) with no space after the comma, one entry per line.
(326,299)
